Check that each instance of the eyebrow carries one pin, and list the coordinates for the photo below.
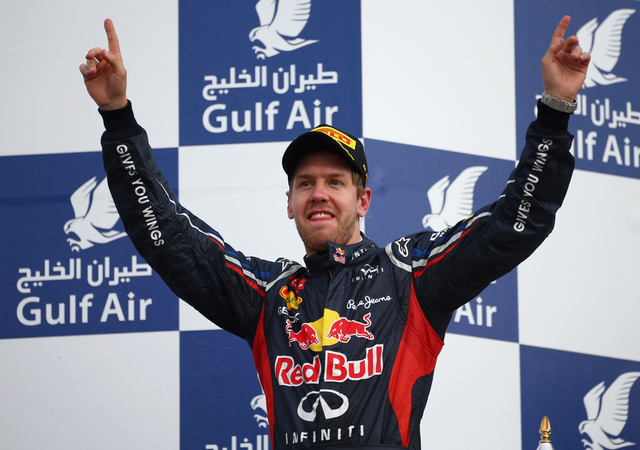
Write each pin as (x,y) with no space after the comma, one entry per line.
(331,175)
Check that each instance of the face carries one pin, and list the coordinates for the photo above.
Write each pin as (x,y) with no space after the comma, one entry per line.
(324,203)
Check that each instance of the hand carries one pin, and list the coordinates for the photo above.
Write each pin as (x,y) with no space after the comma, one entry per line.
(104,74)
(564,66)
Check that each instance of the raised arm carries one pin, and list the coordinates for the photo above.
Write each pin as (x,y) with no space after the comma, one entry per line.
(104,73)
(454,266)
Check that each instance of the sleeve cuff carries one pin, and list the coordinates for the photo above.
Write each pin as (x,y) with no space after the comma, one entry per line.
(120,123)
(551,118)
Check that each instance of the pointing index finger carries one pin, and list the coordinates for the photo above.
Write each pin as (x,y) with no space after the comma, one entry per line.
(560,30)
(112,37)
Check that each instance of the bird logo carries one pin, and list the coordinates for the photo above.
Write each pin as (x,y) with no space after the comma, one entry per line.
(607,413)
(280,24)
(259,402)
(452,202)
(95,216)
(604,42)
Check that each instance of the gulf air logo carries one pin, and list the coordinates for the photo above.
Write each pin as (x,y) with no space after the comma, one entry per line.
(452,201)
(604,42)
(341,138)
(607,413)
(95,216)
(329,330)
(281,23)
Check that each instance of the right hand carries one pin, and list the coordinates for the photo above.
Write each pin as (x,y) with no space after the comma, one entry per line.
(104,74)
(564,66)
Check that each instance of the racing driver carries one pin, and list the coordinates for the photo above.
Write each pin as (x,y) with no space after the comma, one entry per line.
(343,363)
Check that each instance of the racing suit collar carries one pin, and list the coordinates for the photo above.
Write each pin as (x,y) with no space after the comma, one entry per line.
(338,255)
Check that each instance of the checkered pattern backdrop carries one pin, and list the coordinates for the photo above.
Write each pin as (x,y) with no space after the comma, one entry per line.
(97,353)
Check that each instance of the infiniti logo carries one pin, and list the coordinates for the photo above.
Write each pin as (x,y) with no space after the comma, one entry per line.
(333,404)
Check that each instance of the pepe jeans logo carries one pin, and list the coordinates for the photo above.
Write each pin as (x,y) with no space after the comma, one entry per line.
(367,302)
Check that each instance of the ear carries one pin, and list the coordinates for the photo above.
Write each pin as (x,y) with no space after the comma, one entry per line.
(289,208)
(364,202)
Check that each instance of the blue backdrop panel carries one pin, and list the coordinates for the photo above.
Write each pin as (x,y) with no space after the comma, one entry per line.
(72,269)
(591,401)
(250,74)
(607,122)
(221,401)
(401,177)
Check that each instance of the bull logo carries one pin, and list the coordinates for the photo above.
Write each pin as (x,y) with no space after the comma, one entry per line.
(305,338)
(343,329)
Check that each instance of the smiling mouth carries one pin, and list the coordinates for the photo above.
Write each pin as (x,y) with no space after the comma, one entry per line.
(320,215)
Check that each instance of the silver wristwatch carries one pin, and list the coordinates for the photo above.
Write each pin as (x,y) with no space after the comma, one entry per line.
(557,104)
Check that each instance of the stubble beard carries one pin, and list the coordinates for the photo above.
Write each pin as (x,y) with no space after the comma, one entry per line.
(317,241)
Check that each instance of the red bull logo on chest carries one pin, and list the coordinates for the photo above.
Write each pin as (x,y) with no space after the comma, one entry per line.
(337,368)
(343,329)
(330,329)
(305,338)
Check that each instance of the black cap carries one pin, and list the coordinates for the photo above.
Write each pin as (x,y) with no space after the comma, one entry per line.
(326,137)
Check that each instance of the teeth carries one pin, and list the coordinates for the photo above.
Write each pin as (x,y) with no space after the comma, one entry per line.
(320,215)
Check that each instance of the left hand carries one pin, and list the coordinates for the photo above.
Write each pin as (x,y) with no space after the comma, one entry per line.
(564,66)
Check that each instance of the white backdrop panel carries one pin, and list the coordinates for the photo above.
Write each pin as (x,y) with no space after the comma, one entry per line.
(427,78)
(579,291)
(240,190)
(101,392)
(475,398)
(47,109)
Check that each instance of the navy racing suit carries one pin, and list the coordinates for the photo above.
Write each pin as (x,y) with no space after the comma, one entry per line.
(345,345)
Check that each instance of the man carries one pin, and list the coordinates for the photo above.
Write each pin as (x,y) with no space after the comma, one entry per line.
(346,345)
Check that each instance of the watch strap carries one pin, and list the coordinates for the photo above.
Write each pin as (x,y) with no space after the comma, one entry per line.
(557,104)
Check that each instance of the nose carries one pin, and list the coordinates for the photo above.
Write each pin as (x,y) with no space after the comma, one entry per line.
(320,193)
